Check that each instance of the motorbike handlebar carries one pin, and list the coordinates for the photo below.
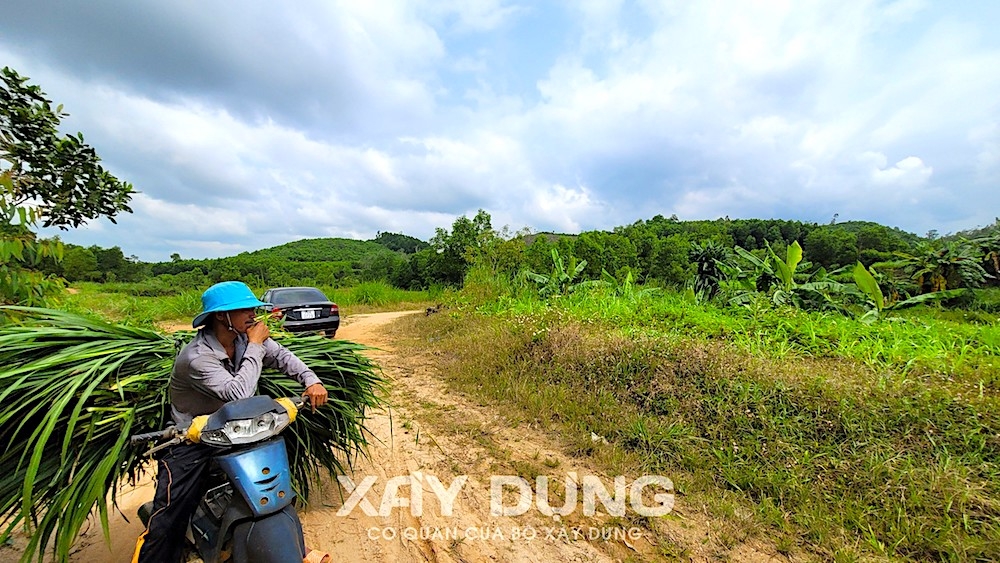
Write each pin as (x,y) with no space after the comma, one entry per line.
(168,432)
(172,432)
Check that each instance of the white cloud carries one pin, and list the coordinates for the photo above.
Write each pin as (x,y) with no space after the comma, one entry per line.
(561,208)
(469,64)
(986,140)
(221,222)
(472,16)
(715,203)
(907,173)
(768,130)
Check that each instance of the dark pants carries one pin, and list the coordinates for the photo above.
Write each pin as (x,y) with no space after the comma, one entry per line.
(181,480)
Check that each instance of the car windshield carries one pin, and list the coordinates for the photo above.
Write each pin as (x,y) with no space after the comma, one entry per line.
(293,296)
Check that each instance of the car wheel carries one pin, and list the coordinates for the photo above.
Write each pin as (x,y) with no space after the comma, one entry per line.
(330,333)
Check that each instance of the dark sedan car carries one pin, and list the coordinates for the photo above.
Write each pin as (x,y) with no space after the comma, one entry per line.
(304,309)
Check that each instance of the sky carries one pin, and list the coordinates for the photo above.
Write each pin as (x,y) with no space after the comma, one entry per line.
(244,125)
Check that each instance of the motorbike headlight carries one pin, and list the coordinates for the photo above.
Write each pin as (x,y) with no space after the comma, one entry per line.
(246,430)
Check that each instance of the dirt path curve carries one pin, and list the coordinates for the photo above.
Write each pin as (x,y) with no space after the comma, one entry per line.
(411,444)
(432,439)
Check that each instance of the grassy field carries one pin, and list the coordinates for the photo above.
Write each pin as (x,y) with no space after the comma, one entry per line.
(832,437)
(151,305)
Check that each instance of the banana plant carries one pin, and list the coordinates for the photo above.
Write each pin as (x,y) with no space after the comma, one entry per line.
(785,269)
(561,280)
(866,282)
(627,288)
(708,258)
(989,247)
(772,270)
(936,267)
(819,291)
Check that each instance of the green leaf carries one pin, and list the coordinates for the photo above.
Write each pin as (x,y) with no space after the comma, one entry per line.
(794,254)
(783,271)
(537,278)
(929,298)
(17,248)
(866,283)
(750,257)
(870,316)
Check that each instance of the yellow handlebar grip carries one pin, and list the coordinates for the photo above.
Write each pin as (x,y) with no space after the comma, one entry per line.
(289,406)
(194,431)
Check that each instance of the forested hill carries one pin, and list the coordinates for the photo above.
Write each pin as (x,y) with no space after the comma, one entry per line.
(322,250)
(316,261)
(857,227)
(341,249)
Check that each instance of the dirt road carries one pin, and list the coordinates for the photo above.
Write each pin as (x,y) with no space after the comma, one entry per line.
(430,435)
(435,444)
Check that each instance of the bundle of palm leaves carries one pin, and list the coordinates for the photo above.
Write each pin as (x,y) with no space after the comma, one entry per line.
(73,389)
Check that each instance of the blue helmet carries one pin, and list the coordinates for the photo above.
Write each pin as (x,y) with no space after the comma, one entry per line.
(226,296)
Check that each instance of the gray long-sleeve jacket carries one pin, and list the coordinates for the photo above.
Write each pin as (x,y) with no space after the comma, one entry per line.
(204,378)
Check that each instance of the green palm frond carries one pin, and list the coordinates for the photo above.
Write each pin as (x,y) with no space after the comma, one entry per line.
(72,389)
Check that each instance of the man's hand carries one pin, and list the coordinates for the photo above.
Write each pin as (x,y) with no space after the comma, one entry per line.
(316,394)
(258,333)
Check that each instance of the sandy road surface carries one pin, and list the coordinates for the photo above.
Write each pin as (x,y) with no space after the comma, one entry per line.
(411,446)
(433,438)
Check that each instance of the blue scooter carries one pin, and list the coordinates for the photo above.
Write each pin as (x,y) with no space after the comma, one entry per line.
(247,514)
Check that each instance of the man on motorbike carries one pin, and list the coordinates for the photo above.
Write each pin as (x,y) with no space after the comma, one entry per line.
(223,363)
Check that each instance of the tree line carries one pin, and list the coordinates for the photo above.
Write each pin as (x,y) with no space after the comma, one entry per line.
(669,252)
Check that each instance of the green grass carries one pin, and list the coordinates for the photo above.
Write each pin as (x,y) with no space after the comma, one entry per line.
(917,345)
(377,295)
(850,440)
(127,304)
(148,306)
(813,430)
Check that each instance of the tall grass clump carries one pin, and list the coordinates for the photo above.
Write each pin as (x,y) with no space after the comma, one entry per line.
(72,390)
(847,457)
(488,290)
(374,295)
